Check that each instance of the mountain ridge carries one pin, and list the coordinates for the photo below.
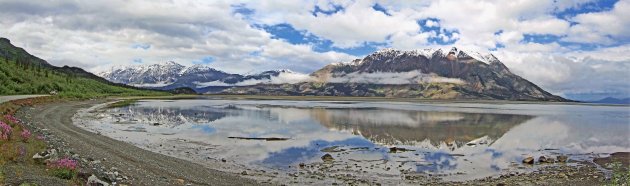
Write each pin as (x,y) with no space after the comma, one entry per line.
(423,73)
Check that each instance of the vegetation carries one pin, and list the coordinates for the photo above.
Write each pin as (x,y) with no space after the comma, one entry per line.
(17,78)
(16,145)
(23,73)
(620,175)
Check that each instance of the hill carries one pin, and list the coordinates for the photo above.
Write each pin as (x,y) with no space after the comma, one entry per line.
(611,100)
(23,73)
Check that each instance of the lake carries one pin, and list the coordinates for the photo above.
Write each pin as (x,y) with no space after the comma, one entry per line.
(278,139)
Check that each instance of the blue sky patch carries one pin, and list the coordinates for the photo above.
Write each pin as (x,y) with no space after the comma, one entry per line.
(595,6)
(380,8)
(141,46)
(137,60)
(206,60)
(318,10)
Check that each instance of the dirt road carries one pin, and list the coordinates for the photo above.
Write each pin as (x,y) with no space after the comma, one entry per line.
(16,97)
(141,166)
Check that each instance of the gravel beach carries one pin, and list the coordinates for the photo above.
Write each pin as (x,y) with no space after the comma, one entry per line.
(103,155)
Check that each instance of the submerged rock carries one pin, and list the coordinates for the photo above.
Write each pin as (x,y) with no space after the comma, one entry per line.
(529,160)
(328,158)
(398,149)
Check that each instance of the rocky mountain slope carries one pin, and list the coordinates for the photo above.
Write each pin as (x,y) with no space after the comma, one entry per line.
(428,73)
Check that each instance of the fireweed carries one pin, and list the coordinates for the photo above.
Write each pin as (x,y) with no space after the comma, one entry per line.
(65,168)
(5,131)
(25,135)
(11,119)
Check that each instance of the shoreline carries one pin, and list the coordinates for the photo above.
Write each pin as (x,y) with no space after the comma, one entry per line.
(111,160)
(59,133)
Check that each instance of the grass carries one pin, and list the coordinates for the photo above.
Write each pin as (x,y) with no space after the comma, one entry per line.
(620,175)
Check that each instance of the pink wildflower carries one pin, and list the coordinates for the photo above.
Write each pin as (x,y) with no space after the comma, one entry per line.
(40,137)
(11,119)
(65,163)
(25,135)
(5,131)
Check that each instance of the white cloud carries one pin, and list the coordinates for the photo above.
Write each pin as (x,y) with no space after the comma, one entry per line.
(602,27)
(604,71)
(282,78)
(393,78)
(431,23)
(98,34)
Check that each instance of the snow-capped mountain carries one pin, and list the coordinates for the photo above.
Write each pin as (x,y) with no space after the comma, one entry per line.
(170,75)
(425,73)
(154,75)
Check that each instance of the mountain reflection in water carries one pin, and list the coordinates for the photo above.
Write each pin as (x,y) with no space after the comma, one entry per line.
(458,140)
(381,126)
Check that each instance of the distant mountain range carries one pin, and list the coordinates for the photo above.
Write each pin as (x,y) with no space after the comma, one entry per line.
(610,100)
(426,73)
(170,75)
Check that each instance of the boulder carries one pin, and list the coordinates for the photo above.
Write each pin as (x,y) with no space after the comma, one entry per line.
(528,160)
(94,181)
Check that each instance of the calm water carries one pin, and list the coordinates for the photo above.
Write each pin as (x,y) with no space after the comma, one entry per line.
(454,141)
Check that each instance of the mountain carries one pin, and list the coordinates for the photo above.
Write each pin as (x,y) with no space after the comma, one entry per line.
(427,73)
(610,100)
(171,75)
(24,73)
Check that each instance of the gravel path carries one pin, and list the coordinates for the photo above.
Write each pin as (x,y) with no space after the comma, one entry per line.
(141,166)
(16,97)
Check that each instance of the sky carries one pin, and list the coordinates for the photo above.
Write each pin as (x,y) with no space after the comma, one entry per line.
(579,49)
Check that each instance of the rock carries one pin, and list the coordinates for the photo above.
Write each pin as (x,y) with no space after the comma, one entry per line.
(327,158)
(38,158)
(562,175)
(156,124)
(180,181)
(94,181)
(529,160)
(244,173)
(542,159)
(562,158)
(223,160)
(397,149)
(302,165)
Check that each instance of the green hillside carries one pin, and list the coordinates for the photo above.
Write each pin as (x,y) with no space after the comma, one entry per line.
(23,73)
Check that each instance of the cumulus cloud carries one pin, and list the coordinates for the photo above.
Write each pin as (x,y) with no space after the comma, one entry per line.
(99,34)
(603,73)
(602,27)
